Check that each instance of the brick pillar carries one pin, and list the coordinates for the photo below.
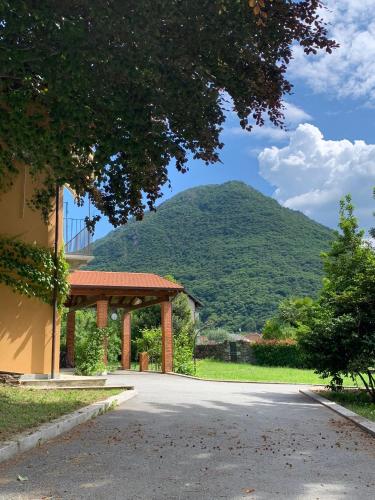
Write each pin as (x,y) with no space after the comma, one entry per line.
(70,338)
(126,342)
(102,321)
(167,338)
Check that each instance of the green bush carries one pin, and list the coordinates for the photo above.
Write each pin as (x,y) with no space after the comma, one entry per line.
(89,339)
(218,335)
(113,332)
(183,353)
(90,352)
(150,342)
(279,353)
(146,334)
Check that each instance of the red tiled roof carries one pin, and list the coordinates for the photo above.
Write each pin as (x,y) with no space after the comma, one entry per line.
(121,280)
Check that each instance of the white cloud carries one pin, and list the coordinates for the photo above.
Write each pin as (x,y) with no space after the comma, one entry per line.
(266,132)
(350,70)
(311,174)
(293,116)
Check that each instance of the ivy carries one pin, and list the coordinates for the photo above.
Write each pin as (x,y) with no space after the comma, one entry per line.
(30,270)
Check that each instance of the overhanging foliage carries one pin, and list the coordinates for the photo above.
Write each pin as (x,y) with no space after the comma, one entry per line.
(104,96)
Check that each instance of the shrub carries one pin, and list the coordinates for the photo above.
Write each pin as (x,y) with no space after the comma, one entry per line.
(150,342)
(218,335)
(113,333)
(146,333)
(183,353)
(273,329)
(89,351)
(279,353)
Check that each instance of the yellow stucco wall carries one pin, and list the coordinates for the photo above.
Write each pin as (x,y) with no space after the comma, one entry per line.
(25,323)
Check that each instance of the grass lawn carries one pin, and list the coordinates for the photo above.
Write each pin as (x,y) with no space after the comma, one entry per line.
(357,401)
(22,409)
(220,370)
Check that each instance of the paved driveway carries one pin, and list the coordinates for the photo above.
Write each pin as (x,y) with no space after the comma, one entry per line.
(187,439)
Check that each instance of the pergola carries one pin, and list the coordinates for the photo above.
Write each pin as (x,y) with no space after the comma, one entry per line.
(126,291)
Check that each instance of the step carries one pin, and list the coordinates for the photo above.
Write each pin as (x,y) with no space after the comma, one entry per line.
(65,382)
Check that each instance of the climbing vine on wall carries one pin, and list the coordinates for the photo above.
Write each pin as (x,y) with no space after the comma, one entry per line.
(30,270)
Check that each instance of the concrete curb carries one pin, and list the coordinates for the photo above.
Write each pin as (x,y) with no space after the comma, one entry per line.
(24,442)
(77,387)
(242,381)
(361,422)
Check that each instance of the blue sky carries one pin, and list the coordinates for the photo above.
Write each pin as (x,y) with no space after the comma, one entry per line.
(329,147)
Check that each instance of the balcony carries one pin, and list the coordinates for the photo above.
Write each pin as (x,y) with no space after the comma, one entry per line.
(78,246)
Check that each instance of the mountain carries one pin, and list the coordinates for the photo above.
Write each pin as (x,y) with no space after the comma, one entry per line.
(237,250)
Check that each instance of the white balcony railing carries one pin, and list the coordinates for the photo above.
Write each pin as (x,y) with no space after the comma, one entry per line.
(78,239)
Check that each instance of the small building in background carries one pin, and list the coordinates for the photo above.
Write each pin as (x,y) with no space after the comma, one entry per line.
(194,304)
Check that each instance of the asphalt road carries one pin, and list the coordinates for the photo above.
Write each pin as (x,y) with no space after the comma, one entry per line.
(187,439)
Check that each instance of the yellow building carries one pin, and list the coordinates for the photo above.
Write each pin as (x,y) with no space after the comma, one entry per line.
(25,323)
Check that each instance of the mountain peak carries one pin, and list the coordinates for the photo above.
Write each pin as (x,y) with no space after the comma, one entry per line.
(233,247)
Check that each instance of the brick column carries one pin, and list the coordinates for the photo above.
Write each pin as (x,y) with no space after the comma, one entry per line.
(126,342)
(70,338)
(102,321)
(167,337)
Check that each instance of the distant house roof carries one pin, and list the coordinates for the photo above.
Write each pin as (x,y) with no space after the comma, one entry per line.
(107,279)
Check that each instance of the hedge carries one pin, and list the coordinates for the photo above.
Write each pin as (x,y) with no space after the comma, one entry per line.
(279,353)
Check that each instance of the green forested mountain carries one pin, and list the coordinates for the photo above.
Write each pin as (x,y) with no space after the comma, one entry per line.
(237,250)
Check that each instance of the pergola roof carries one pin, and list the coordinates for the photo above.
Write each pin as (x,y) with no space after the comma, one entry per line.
(122,290)
(105,279)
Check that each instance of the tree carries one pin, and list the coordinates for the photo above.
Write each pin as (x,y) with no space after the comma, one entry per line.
(216,334)
(150,341)
(342,339)
(181,315)
(372,230)
(293,318)
(148,317)
(104,96)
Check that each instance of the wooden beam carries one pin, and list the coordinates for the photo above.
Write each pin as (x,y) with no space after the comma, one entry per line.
(153,302)
(122,300)
(84,303)
(80,298)
(122,292)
